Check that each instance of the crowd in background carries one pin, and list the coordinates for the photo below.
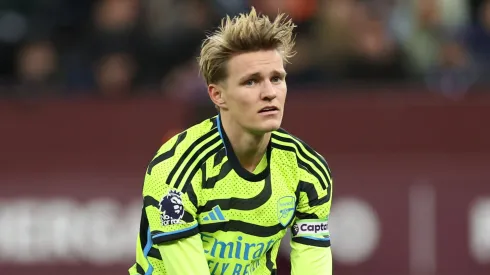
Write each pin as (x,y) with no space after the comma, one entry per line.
(121,48)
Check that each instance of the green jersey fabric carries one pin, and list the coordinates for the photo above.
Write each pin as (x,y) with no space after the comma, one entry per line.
(196,185)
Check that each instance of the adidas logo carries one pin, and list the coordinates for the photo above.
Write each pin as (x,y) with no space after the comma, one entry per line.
(215,215)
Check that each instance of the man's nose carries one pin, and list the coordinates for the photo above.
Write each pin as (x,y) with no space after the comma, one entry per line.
(268,91)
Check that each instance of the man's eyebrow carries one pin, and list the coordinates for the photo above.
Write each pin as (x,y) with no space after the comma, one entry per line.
(250,75)
(258,75)
(281,73)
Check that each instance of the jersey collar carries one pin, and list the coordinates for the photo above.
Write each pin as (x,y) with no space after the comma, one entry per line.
(235,164)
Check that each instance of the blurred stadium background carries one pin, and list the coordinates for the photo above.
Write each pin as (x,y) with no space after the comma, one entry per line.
(394,93)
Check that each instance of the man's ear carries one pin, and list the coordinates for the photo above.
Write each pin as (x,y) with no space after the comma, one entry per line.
(216,94)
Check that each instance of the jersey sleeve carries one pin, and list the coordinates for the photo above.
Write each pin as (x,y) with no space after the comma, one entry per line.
(306,259)
(177,255)
(310,225)
(169,200)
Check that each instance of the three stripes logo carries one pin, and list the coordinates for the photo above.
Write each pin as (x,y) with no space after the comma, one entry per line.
(214,216)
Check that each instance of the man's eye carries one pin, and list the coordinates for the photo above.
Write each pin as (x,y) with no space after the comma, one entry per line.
(276,79)
(250,82)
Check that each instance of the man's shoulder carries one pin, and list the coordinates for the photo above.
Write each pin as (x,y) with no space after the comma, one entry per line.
(285,140)
(186,147)
(308,160)
(191,135)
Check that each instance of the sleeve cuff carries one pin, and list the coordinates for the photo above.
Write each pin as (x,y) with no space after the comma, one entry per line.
(313,241)
(159,237)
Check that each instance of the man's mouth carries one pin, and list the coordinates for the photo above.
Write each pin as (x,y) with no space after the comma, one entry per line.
(268,109)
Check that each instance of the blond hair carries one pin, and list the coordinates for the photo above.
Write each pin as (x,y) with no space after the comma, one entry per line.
(244,33)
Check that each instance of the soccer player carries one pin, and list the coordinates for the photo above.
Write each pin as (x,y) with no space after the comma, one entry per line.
(219,197)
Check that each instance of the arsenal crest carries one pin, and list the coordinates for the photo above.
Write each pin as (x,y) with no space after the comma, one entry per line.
(285,209)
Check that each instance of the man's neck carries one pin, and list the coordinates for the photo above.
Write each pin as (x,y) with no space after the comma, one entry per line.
(248,148)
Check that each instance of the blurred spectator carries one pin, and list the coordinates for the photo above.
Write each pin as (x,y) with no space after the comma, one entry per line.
(37,68)
(37,62)
(151,44)
(375,55)
(419,24)
(349,42)
(455,70)
(114,46)
(115,74)
(174,32)
(112,29)
(116,15)
(478,40)
(185,82)
(323,50)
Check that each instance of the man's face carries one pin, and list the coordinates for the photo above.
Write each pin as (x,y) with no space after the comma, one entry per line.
(255,91)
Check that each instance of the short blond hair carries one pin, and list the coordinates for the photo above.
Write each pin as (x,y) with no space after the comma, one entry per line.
(244,33)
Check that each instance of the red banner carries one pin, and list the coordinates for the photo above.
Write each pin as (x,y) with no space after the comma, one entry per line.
(411,191)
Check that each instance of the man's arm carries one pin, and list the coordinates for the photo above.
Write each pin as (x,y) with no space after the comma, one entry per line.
(306,259)
(184,256)
(310,248)
(310,242)
(169,234)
